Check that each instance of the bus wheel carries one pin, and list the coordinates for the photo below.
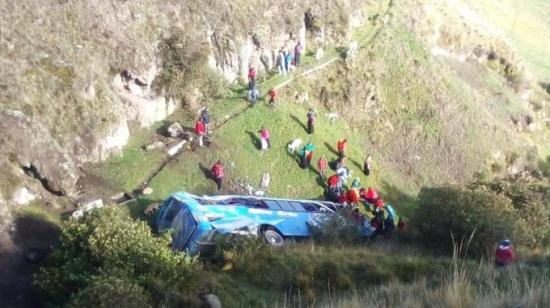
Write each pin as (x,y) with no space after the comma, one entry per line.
(273,237)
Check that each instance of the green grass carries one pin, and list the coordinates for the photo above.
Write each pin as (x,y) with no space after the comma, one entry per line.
(236,145)
(527,25)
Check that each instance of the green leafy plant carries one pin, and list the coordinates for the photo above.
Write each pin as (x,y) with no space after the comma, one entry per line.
(105,252)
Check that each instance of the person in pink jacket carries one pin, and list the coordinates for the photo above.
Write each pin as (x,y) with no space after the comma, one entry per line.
(264,138)
(505,254)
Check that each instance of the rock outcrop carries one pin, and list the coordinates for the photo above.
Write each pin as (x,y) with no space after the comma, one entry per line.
(29,144)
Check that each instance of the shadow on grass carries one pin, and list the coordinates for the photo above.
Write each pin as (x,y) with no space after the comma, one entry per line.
(330,148)
(405,201)
(206,172)
(356,164)
(293,117)
(254,139)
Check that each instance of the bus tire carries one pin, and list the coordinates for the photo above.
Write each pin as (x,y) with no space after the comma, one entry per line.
(273,237)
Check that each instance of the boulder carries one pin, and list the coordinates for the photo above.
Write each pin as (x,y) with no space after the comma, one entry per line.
(174,130)
(38,153)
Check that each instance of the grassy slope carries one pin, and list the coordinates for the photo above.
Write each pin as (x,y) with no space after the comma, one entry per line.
(527,25)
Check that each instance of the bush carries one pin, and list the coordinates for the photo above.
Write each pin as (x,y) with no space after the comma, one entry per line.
(459,213)
(185,69)
(338,230)
(107,252)
(529,202)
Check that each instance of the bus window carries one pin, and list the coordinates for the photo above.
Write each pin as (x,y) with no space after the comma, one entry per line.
(172,210)
(300,207)
(272,204)
(285,205)
(184,226)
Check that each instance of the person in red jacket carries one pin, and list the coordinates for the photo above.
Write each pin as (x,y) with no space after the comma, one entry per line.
(217,173)
(322,165)
(251,78)
(505,254)
(342,198)
(371,195)
(272,97)
(341,147)
(200,130)
(379,205)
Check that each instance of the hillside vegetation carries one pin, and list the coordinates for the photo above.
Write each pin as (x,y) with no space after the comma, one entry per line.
(451,99)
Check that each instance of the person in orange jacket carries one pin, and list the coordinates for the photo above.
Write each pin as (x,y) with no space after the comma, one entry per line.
(353,196)
(272,97)
(341,147)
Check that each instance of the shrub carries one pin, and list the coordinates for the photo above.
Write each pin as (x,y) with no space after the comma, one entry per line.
(529,202)
(458,213)
(107,252)
(185,69)
(338,229)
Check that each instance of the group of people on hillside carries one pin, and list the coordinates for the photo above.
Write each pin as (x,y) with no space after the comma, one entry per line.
(288,59)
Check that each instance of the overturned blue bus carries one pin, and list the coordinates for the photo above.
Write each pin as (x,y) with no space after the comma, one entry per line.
(195,220)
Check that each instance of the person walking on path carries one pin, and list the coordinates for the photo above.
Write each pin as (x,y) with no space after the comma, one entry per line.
(288,61)
(253,95)
(322,165)
(310,121)
(272,97)
(341,147)
(264,138)
(200,130)
(298,49)
(306,155)
(205,118)
(367,165)
(281,59)
(217,173)
(251,78)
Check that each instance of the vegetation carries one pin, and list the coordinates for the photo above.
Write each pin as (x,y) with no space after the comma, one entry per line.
(106,258)
(482,214)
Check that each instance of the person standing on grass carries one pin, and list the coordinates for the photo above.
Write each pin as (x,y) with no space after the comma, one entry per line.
(356,183)
(306,155)
(322,165)
(281,59)
(353,196)
(200,130)
(217,173)
(264,138)
(205,118)
(505,254)
(310,121)
(341,147)
(371,196)
(251,78)
(253,95)
(298,49)
(367,165)
(340,163)
(272,97)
